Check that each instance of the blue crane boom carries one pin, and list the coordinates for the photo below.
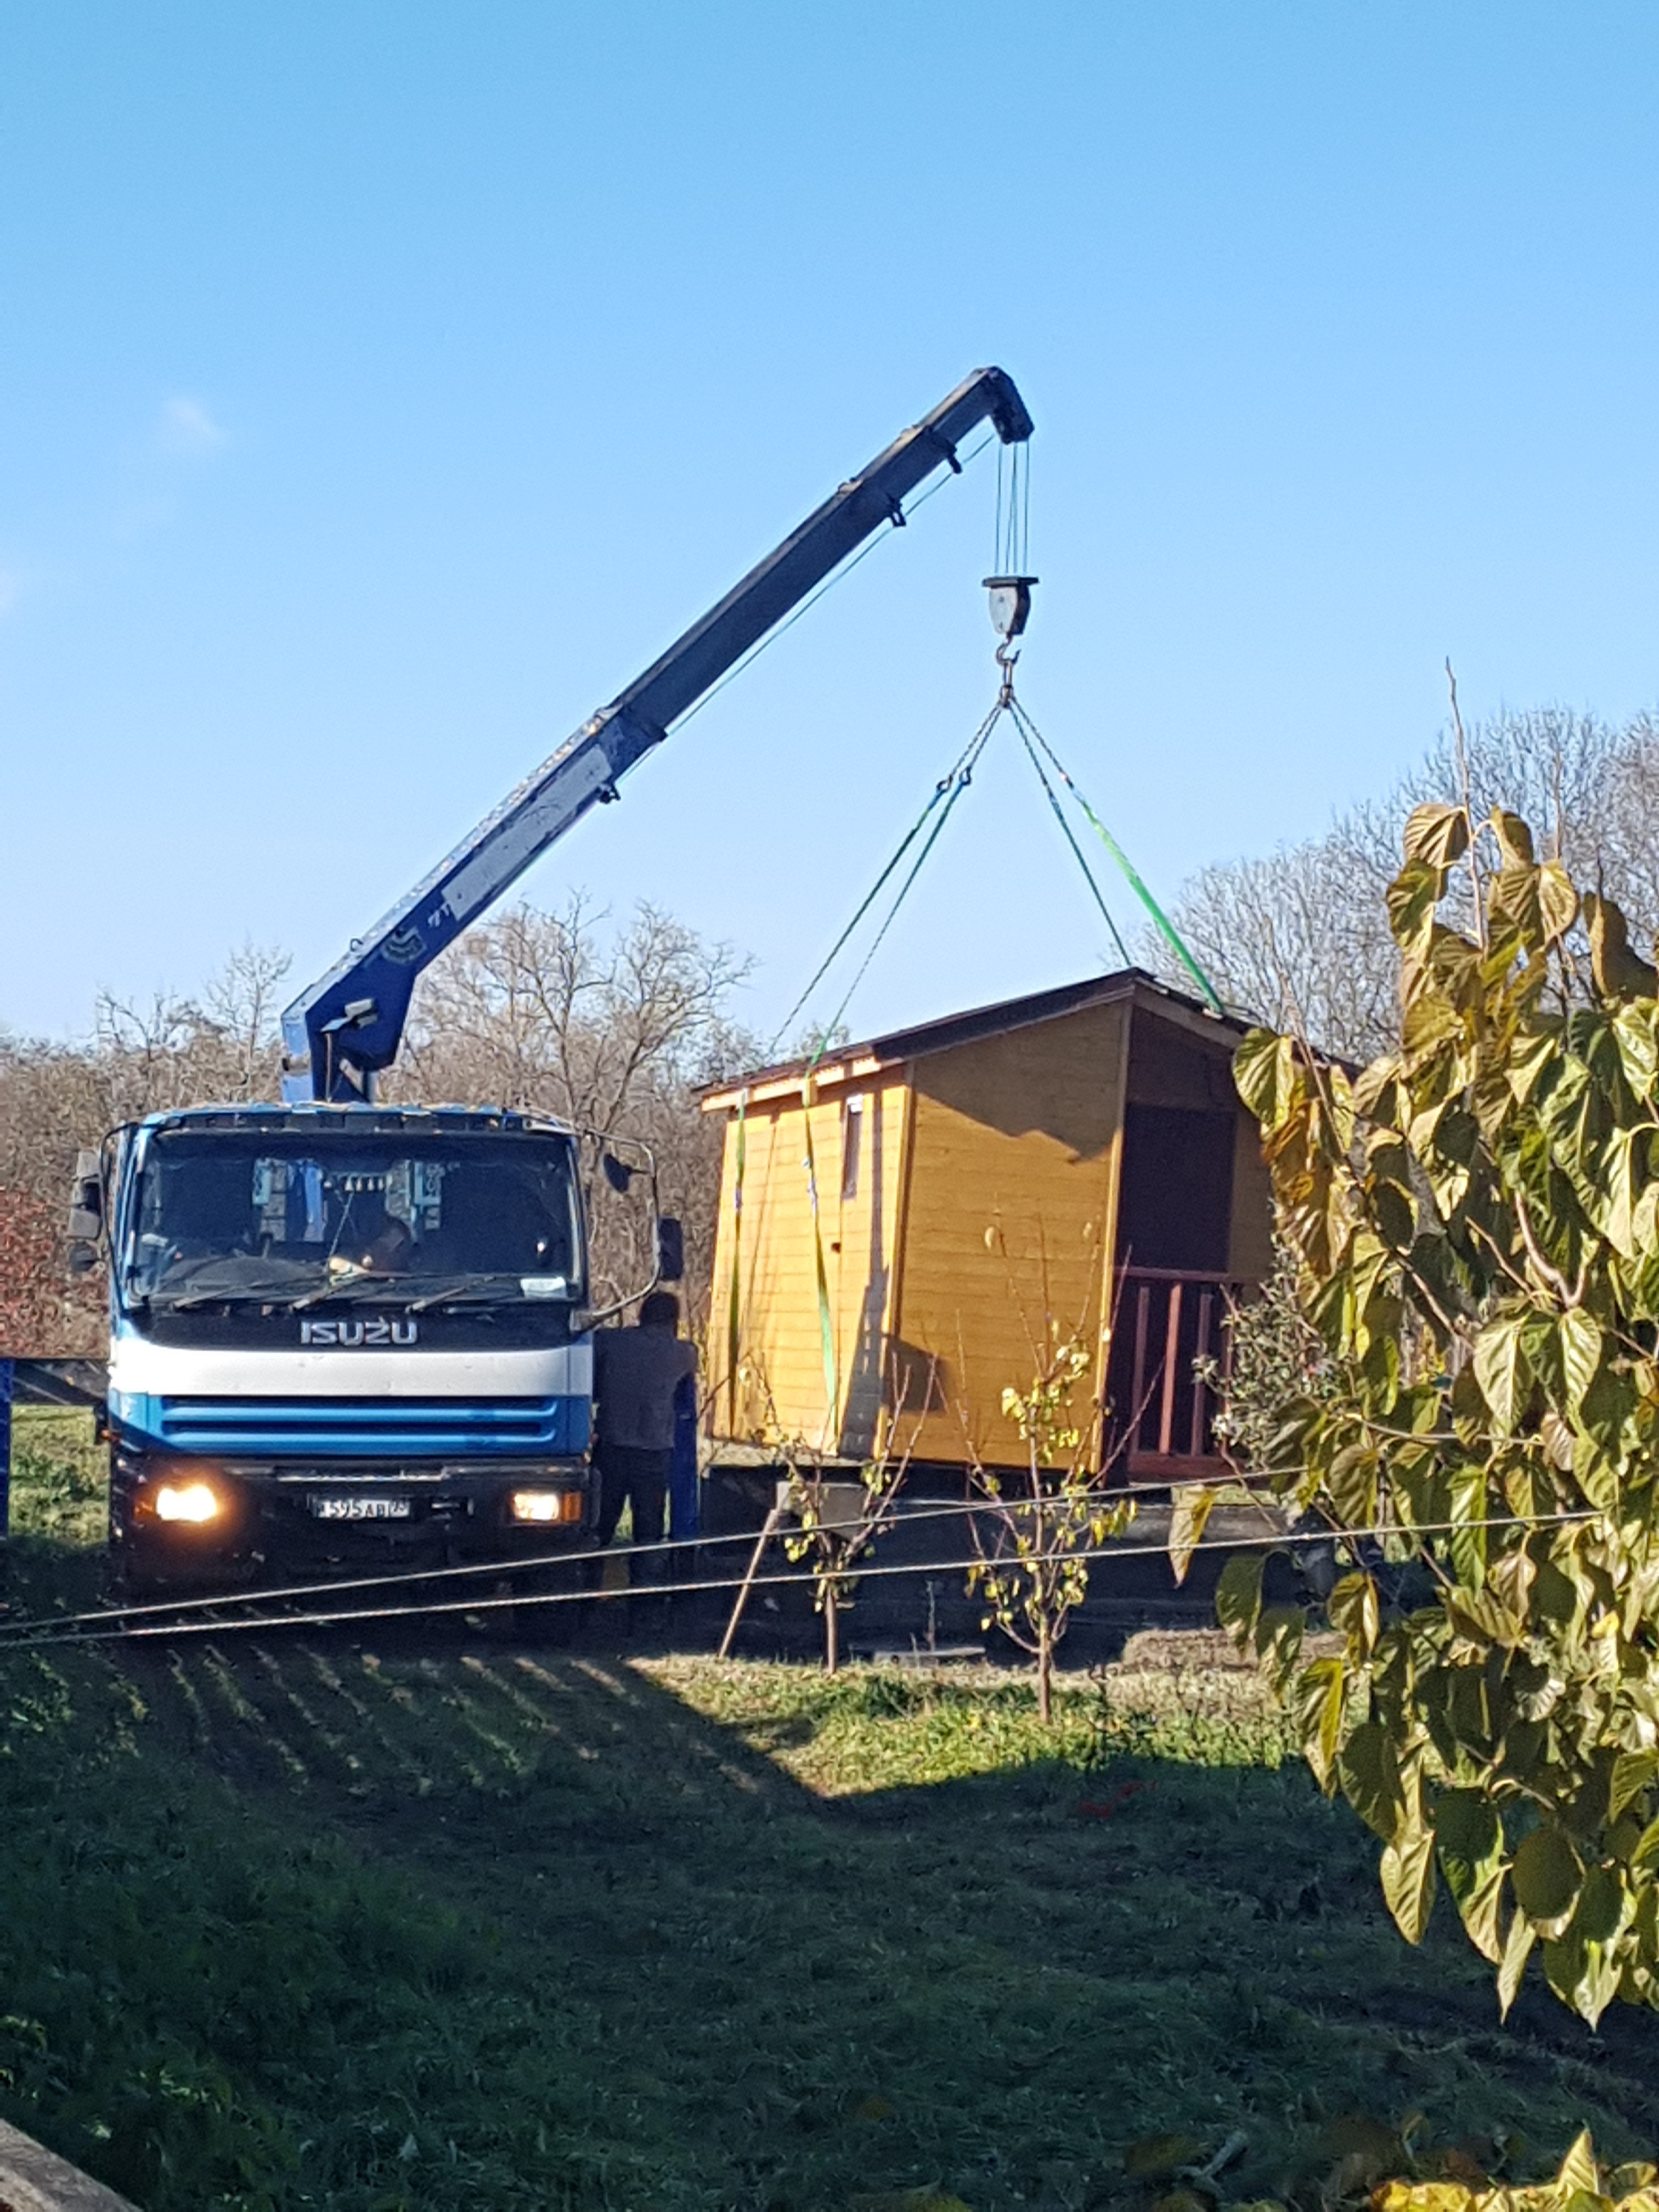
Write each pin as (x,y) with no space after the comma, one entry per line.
(339,1034)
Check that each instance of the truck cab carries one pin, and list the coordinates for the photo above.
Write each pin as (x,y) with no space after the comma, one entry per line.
(343,1338)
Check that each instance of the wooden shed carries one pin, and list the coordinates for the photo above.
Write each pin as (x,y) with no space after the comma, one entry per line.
(968,1178)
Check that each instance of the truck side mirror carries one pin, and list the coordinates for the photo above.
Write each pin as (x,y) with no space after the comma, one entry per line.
(86,1199)
(82,1256)
(671,1248)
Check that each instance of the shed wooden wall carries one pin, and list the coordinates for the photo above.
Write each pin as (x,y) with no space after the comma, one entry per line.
(1008,1212)
(780,1383)
(987,1202)
(1173,1064)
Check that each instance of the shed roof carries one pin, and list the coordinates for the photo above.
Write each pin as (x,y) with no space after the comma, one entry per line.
(852,1062)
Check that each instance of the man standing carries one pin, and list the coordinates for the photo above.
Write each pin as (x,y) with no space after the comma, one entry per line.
(636,1372)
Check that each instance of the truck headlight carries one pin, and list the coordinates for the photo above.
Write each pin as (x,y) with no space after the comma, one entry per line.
(188,1501)
(547,1505)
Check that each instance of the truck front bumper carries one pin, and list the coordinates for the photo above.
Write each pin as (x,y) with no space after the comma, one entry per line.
(178,1519)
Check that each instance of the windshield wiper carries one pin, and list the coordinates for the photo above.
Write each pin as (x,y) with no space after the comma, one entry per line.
(337,1287)
(226,1294)
(468,1286)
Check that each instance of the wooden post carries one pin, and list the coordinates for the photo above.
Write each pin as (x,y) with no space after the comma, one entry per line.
(769,1529)
(1171,1346)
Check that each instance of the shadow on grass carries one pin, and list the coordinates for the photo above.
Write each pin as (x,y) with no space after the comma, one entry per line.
(290,1922)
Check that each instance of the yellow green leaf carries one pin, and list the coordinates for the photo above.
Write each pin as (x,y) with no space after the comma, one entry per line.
(1500,1369)
(1371,1780)
(1581,1353)
(1319,1712)
(1189,1509)
(1516,1950)
(1408,1881)
(1547,1875)
(1355,1611)
(1238,1594)
(1412,899)
(1633,1771)
(1265,1075)
(1558,901)
(1514,838)
(1437,833)
(1579,2170)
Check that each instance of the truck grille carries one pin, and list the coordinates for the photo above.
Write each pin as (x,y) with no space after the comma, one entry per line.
(373,1428)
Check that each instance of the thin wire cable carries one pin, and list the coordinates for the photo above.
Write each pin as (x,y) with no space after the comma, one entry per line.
(828,584)
(1077,849)
(964,778)
(1025,515)
(907,1515)
(406,1576)
(941,790)
(1288,1539)
(1165,927)
(861,1573)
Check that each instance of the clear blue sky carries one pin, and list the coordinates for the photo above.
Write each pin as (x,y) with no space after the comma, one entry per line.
(382,384)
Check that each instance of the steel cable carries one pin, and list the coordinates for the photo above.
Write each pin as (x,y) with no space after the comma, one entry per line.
(946,789)
(475,1570)
(110,1630)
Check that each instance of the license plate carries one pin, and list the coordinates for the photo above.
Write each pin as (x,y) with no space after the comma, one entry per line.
(362,1509)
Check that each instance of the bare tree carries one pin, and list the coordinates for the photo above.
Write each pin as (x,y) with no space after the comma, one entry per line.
(611,1028)
(40,1315)
(57,1098)
(1299,937)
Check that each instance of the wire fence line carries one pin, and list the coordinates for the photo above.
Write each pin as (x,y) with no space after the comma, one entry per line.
(130,1624)
(473,1569)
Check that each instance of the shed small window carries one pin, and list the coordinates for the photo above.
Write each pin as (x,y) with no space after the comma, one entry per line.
(852,1130)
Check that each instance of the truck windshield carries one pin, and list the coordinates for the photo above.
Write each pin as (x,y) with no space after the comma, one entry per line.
(221,1213)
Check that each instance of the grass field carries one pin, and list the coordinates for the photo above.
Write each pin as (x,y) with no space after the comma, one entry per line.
(386,1928)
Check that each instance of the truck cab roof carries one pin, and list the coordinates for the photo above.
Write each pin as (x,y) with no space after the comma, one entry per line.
(274,1119)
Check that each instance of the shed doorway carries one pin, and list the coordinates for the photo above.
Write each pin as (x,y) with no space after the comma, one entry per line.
(1175,1199)
(1175,1224)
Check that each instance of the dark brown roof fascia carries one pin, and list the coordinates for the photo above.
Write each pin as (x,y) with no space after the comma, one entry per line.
(980,1022)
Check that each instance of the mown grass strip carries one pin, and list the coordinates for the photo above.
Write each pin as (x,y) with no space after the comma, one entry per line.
(553,1931)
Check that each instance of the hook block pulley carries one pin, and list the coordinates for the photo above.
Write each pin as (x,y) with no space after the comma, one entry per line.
(1010,603)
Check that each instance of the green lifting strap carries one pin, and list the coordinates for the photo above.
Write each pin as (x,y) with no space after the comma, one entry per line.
(943,799)
(734,1315)
(1076,850)
(948,788)
(1166,928)
(826,1319)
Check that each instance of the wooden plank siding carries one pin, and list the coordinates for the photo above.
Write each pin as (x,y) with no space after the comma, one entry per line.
(779,1387)
(1008,1213)
(992,1186)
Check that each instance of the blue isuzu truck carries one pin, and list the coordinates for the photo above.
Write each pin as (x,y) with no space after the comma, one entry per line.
(344,1332)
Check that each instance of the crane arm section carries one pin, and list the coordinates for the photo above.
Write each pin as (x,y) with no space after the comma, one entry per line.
(347,1027)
